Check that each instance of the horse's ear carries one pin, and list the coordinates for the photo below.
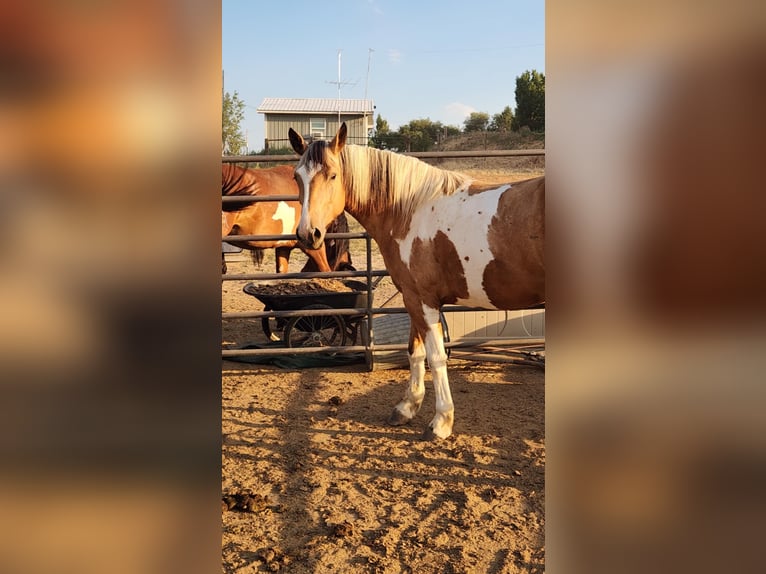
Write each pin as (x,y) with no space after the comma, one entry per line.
(296,140)
(337,143)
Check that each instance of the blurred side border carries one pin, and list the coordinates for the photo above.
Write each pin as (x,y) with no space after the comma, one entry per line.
(110,353)
(656,300)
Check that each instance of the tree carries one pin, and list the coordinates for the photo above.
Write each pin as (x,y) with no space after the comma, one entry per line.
(381,126)
(476,122)
(381,137)
(381,133)
(232,140)
(420,135)
(417,135)
(502,122)
(530,101)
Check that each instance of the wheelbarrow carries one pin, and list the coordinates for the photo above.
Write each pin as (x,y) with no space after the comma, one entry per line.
(312,330)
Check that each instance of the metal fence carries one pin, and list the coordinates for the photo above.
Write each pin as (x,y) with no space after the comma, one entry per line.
(520,351)
(276,158)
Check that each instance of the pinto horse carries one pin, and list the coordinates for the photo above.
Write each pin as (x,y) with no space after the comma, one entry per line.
(444,238)
(273,218)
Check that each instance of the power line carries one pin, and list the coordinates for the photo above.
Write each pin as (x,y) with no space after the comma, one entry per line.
(466,50)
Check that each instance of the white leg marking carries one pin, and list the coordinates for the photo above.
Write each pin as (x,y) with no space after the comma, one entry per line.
(441,424)
(416,390)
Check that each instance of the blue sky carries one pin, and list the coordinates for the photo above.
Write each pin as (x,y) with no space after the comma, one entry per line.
(440,60)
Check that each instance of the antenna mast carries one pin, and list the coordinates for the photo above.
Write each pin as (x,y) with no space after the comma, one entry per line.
(366,83)
(340,83)
(367,80)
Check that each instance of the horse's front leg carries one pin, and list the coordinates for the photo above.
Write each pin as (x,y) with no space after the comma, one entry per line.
(441,424)
(282,256)
(413,395)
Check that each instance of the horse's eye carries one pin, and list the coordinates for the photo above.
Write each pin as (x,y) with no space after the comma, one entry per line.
(333,176)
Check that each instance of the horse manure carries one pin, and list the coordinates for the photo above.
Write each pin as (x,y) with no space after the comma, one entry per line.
(254,503)
(343,529)
(490,494)
(229,502)
(244,502)
(274,558)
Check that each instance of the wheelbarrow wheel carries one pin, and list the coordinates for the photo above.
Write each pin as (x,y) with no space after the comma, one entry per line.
(316,331)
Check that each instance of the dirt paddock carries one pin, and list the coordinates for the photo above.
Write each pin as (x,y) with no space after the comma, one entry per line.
(314,480)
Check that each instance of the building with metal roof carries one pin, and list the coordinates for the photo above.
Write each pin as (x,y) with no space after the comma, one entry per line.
(315,118)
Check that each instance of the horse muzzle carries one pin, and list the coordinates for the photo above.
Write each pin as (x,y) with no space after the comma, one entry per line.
(313,239)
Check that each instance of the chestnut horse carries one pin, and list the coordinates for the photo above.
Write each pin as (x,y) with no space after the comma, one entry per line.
(445,239)
(275,218)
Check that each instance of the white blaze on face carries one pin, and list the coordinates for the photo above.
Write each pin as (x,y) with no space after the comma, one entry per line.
(465,219)
(306,173)
(286,215)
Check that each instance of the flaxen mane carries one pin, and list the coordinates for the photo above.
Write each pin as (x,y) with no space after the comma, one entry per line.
(377,180)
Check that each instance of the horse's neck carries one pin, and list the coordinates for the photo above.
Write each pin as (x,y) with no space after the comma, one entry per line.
(380,226)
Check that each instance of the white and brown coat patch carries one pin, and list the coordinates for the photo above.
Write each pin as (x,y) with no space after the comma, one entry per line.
(459,241)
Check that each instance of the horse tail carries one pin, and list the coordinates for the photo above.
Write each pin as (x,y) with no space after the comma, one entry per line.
(338,255)
(256,254)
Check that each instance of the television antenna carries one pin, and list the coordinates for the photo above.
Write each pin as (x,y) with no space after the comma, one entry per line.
(367,79)
(340,83)
(366,83)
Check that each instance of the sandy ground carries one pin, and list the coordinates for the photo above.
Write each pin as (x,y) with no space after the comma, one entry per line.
(314,480)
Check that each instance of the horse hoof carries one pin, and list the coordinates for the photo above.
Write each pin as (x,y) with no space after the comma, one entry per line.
(397,418)
(430,435)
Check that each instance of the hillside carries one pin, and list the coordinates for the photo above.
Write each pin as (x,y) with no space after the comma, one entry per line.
(494,166)
(492,140)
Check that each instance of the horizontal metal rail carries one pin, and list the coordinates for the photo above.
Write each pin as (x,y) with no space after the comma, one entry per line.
(418,154)
(372,347)
(281,236)
(256,198)
(317,275)
(368,311)
(343,311)
(476,153)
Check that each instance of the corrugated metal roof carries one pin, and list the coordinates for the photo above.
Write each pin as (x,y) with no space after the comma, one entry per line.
(314,105)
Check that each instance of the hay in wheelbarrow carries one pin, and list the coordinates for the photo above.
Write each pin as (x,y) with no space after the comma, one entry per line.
(306,287)
(291,295)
